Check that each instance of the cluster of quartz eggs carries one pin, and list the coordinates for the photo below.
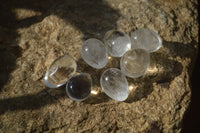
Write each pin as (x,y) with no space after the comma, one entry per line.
(135,59)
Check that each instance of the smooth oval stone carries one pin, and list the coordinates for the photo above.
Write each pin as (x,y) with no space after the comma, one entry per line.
(94,53)
(114,84)
(146,39)
(78,87)
(134,63)
(60,71)
(117,43)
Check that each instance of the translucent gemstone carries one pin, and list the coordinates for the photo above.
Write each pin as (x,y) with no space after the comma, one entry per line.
(117,43)
(78,87)
(146,39)
(94,53)
(59,72)
(135,62)
(114,84)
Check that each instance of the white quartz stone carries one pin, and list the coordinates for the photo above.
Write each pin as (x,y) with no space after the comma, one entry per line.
(146,39)
(94,53)
(114,84)
(60,71)
(78,87)
(117,43)
(135,62)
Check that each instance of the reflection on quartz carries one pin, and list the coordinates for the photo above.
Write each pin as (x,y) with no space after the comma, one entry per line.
(162,68)
(151,70)
(130,87)
(93,92)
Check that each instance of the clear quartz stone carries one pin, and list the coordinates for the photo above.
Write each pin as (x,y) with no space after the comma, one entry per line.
(146,39)
(60,71)
(94,53)
(135,62)
(114,84)
(117,43)
(78,87)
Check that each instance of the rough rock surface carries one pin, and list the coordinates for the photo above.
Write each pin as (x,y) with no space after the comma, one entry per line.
(33,33)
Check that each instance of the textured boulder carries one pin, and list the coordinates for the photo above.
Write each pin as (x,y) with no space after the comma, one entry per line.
(34,33)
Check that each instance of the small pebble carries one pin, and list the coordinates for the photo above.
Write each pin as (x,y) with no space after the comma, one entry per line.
(60,71)
(114,84)
(117,43)
(94,53)
(135,62)
(146,39)
(79,87)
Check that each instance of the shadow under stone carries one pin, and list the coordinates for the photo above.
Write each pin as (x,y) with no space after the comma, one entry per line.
(162,71)
(8,55)
(33,101)
(179,49)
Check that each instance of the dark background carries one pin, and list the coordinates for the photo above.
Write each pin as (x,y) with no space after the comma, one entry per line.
(191,123)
